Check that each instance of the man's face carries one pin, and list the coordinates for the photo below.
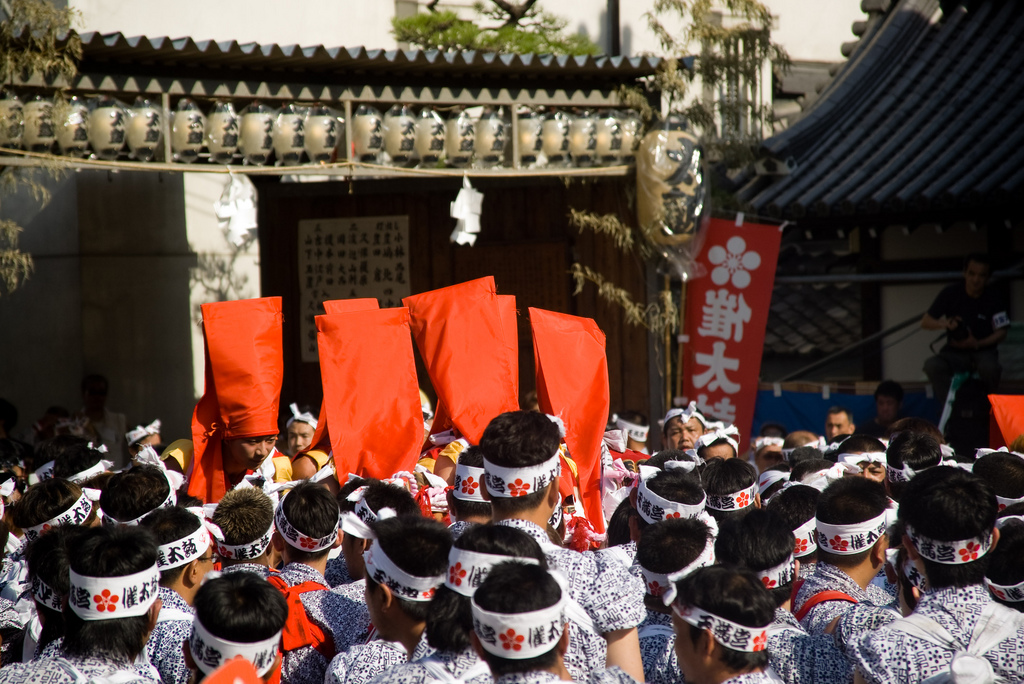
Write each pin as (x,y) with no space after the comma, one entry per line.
(872,471)
(299,436)
(680,435)
(975,277)
(837,424)
(249,452)
(887,409)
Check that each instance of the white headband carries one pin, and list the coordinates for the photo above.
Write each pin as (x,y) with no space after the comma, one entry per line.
(46,595)
(253,549)
(468,481)
(634,430)
(1006,519)
(906,473)
(6,489)
(768,441)
(101,466)
(468,569)
(823,478)
(709,438)
(950,552)
(519,636)
(170,500)
(1010,593)
(297,417)
(847,540)
(663,584)
(182,551)
(769,477)
(210,652)
(299,540)
(382,570)
(732,502)
(357,523)
(654,508)
(730,635)
(805,538)
(511,483)
(978,453)
(910,570)
(76,515)
(685,466)
(685,415)
(778,576)
(107,598)
(1004,501)
(141,432)
(45,471)
(857,459)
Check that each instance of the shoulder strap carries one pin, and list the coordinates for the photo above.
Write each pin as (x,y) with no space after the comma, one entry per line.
(437,670)
(172,614)
(650,631)
(822,597)
(299,630)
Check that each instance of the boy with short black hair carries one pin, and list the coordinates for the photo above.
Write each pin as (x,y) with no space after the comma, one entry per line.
(662,495)
(81,462)
(1004,473)
(796,506)
(245,517)
(717,444)
(1005,575)
(852,539)
(866,453)
(908,454)
(133,494)
(466,503)
(405,565)
(950,518)
(731,486)
(522,468)
(184,556)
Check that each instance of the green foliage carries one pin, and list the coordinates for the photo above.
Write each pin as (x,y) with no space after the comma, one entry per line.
(531,32)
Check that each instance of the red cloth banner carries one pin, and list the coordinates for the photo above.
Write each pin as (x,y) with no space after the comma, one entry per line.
(460,332)
(572,383)
(1007,420)
(371,397)
(726,318)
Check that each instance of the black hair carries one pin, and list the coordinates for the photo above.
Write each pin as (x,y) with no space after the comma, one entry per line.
(512,588)
(1006,562)
(48,559)
(1003,472)
(978,258)
(75,459)
(240,607)
(727,476)
(450,618)
(849,501)
(860,444)
(833,410)
(795,506)
(44,501)
(51,449)
(519,439)
(380,495)
(804,453)
(243,515)
(669,546)
(135,492)
(675,485)
(889,388)
(352,484)
(8,415)
(775,487)
(618,524)
(735,595)
(659,459)
(109,552)
(918,425)
(948,504)
(417,545)
(768,428)
(758,541)
(808,466)
(463,509)
(169,525)
(312,511)
(915,449)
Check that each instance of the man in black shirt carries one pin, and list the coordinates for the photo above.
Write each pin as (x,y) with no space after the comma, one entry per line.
(976,321)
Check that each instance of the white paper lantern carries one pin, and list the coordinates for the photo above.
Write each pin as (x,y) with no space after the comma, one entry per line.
(367,134)
(491,136)
(12,120)
(400,134)
(107,128)
(222,133)
(583,138)
(631,125)
(255,133)
(608,135)
(289,135)
(554,135)
(529,134)
(188,128)
(144,131)
(40,132)
(460,134)
(323,132)
(73,131)
(429,137)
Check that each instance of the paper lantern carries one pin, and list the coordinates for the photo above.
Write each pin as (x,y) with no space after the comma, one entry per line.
(255,133)
(491,136)
(554,134)
(222,133)
(671,188)
(399,134)
(188,128)
(631,126)
(73,131)
(367,134)
(460,134)
(529,134)
(608,136)
(429,137)
(40,133)
(289,137)
(107,128)
(583,138)
(323,131)
(144,131)
(12,120)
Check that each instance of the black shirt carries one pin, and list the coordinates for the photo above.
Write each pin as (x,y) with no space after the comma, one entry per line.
(982,315)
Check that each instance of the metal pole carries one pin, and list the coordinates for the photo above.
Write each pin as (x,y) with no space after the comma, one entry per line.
(614,30)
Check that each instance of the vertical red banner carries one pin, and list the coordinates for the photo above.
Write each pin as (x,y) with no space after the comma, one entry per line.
(726,318)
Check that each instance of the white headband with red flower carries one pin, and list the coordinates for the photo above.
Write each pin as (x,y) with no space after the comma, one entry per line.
(383,570)
(510,483)
(109,598)
(732,502)
(253,549)
(663,584)
(210,652)
(77,514)
(778,576)
(729,634)
(1010,593)
(519,636)
(300,540)
(467,484)
(654,508)
(468,569)
(846,540)
(805,538)
(950,552)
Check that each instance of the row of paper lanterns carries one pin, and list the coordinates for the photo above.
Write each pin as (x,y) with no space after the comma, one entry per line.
(479,136)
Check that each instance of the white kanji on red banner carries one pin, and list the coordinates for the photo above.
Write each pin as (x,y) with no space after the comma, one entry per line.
(722,313)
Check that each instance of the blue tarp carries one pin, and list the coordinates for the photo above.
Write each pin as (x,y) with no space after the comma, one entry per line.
(807,410)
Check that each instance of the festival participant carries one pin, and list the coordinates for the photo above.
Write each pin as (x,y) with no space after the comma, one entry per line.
(1005,575)
(521,463)
(1004,473)
(184,556)
(771,481)
(466,503)
(796,506)
(404,567)
(909,453)
(762,543)
(721,619)
(48,559)
(851,535)
(246,520)
(306,529)
(636,428)
(143,435)
(767,452)
(299,430)
(660,496)
(731,486)
(797,439)
(838,421)
(237,615)
(667,552)
(866,453)
(950,518)
(133,494)
(80,463)
(718,444)
(113,602)
(682,427)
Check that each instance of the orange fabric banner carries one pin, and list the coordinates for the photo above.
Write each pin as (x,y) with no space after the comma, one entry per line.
(460,333)
(244,372)
(321,437)
(371,397)
(510,332)
(1007,421)
(572,383)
